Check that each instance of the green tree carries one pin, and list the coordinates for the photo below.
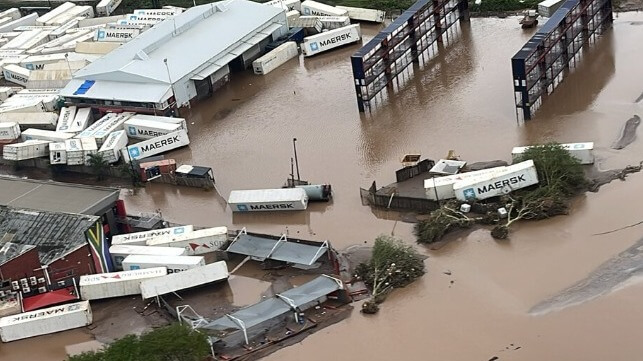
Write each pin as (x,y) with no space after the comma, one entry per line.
(98,165)
(393,264)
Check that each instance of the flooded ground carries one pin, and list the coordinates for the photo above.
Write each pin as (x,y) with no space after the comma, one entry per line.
(465,103)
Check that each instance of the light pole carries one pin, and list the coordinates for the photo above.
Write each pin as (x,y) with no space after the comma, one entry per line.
(68,66)
(169,78)
(294,145)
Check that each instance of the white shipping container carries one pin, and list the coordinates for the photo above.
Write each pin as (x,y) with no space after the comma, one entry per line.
(9,131)
(157,118)
(18,41)
(75,12)
(55,12)
(173,264)
(16,74)
(90,47)
(116,284)
(28,28)
(27,20)
(156,145)
(195,277)
(106,7)
(6,19)
(158,12)
(26,150)
(119,252)
(147,129)
(39,91)
(143,17)
(137,22)
(104,21)
(278,56)
(307,22)
(116,35)
(547,8)
(443,186)
(290,4)
(5,93)
(41,38)
(514,177)
(62,29)
(39,134)
(282,199)
(319,43)
(292,15)
(310,7)
(89,148)
(140,238)
(111,148)
(74,149)
(29,106)
(57,153)
(584,152)
(334,22)
(13,13)
(81,121)
(363,14)
(67,115)
(39,120)
(58,42)
(48,101)
(115,123)
(45,321)
(196,242)
(97,125)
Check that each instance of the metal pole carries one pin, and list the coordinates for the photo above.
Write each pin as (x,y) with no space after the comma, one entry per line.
(294,145)
(292,172)
(169,78)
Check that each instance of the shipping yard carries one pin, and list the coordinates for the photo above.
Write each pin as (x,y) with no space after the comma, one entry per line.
(145,178)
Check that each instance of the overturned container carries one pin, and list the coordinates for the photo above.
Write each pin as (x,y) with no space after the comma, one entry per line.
(514,177)
(45,321)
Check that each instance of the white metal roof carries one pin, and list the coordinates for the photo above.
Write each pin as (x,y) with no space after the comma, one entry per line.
(190,42)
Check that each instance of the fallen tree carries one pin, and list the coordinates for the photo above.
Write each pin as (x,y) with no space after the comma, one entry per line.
(393,264)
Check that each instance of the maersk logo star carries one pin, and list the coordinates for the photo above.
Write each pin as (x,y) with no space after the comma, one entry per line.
(469,193)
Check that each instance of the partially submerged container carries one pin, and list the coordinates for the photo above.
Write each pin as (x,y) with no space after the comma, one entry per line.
(26,150)
(111,148)
(156,145)
(317,192)
(584,152)
(439,188)
(548,7)
(190,278)
(116,284)
(147,129)
(173,264)
(57,153)
(310,7)
(119,252)
(275,58)
(45,321)
(283,199)
(331,39)
(196,242)
(334,22)
(363,14)
(513,177)
(39,134)
(9,131)
(140,238)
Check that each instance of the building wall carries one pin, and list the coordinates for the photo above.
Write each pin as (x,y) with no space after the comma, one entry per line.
(77,263)
(22,266)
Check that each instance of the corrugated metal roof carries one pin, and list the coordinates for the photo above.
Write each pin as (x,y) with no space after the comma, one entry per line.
(55,234)
(114,90)
(187,41)
(280,250)
(55,196)
(10,250)
(313,290)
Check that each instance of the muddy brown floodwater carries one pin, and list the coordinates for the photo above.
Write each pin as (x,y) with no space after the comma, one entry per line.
(463,102)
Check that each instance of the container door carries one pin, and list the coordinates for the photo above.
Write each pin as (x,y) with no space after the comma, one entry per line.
(203,88)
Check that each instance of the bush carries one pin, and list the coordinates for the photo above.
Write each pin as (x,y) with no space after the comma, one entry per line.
(98,165)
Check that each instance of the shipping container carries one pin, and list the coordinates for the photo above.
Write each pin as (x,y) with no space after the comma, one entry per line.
(548,7)
(81,121)
(26,120)
(173,264)
(55,12)
(29,106)
(290,4)
(104,21)
(27,20)
(584,152)
(26,150)
(40,91)
(513,177)
(39,134)
(158,145)
(65,39)
(13,13)
(116,35)
(40,39)
(217,271)
(75,12)
(115,123)
(196,242)
(116,284)
(275,58)
(89,147)
(282,199)
(66,118)
(111,148)
(74,150)
(45,321)
(334,22)
(310,23)
(28,28)
(140,238)
(118,252)
(19,41)
(107,7)
(5,93)
(57,153)
(49,101)
(62,29)
(157,118)
(291,16)
(89,131)
(146,23)
(147,129)
(145,18)
(164,13)
(9,131)
(95,47)
(16,74)
(331,39)
(439,188)
(363,14)
(310,7)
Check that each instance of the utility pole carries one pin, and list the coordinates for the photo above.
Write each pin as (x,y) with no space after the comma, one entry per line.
(294,145)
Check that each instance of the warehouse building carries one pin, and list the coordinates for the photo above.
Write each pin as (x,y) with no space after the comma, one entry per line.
(181,59)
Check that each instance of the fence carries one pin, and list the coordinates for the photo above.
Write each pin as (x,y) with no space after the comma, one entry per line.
(421,205)
(410,172)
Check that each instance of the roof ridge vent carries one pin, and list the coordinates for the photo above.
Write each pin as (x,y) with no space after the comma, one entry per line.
(142,55)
